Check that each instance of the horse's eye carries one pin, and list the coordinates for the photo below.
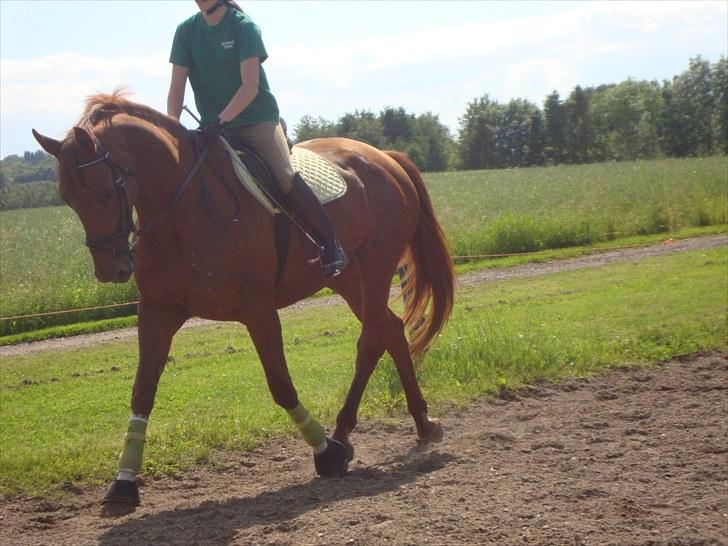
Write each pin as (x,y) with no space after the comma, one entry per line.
(103,197)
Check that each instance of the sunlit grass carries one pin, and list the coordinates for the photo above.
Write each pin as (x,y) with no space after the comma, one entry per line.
(64,413)
(521,210)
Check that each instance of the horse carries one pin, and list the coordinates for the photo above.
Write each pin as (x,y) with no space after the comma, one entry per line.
(122,157)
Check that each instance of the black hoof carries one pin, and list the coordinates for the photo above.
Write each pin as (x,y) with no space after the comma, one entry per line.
(122,492)
(332,462)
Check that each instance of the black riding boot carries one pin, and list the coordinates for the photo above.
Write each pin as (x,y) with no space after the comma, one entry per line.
(308,208)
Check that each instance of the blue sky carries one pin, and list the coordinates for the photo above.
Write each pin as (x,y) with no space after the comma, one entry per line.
(332,57)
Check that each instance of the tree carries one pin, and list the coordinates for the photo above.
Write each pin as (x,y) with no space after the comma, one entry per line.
(625,120)
(432,148)
(309,128)
(536,154)
(397,125)
(690,111)
(719,83)
(364,126)
(555,122)
(513,133)
(477,134)
(578,137)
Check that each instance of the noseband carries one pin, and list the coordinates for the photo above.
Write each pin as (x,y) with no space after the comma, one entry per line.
(107,243)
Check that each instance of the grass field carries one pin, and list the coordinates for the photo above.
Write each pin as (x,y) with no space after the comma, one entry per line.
(64,413)
(45,266)
(522,210)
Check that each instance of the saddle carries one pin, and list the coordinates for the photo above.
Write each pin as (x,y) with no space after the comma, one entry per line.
(321,176)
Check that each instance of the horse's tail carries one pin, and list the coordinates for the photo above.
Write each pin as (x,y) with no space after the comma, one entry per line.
(429,278)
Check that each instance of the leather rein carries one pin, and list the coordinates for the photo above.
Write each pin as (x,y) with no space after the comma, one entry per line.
(127,226)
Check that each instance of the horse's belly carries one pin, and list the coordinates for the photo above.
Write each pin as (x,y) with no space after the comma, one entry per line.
(202,294)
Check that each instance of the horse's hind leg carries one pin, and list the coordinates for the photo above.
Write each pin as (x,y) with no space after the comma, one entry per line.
(389,336)
(428,430)
(370,346)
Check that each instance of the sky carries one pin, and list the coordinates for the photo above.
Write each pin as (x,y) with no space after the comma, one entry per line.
(328,58)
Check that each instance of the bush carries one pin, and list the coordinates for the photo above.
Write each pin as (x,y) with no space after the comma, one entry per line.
(30,195)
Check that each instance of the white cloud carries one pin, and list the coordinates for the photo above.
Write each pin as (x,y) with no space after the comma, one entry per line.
(546,73)
(59,83)
(570,30)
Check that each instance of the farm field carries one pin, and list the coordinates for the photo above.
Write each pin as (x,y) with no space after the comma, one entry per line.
(64,411)
(45,266)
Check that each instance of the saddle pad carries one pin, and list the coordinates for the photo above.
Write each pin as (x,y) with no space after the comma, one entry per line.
(325,181)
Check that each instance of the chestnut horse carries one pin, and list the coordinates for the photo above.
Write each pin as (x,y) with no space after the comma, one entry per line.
(124,156)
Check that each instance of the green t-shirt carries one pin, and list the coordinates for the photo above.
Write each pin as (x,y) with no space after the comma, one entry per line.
(213,55)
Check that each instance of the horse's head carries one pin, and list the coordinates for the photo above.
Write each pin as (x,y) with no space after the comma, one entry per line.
(97,188)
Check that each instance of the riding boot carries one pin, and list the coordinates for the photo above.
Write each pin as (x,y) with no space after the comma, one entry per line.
(308,208)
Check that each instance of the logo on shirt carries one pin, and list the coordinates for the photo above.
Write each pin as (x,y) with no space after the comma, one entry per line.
(227,45)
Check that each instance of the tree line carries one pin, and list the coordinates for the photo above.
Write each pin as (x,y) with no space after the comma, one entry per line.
(634,119)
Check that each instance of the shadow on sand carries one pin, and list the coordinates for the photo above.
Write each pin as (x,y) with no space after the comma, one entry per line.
(215,522)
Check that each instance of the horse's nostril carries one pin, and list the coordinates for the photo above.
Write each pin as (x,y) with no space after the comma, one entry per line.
(122,274)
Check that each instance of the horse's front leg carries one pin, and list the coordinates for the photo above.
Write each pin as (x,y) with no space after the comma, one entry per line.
(330,456)
(157,325)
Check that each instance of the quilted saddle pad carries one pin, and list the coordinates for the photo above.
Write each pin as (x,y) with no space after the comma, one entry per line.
(320,175)
(325,181)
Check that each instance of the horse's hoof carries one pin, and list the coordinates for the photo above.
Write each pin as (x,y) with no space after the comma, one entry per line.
(121,498)
(116,509)
(434,433)
(349,452)
(334,461)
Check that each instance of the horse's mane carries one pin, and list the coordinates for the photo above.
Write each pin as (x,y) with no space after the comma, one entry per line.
(103,106)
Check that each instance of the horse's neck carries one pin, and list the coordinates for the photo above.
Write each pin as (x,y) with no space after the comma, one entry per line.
(161,164)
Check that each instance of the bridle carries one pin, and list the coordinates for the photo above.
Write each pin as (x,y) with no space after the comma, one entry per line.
(127,227)
(118,174)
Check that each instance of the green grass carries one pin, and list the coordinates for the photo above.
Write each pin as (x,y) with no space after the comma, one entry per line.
(524,210)
(461,267)
(45,266)
(64,412)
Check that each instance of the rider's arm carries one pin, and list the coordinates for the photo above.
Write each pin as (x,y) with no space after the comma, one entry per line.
(250,75)
(176,95)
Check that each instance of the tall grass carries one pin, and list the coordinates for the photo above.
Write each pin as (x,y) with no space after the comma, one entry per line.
(525,210)
(44,265)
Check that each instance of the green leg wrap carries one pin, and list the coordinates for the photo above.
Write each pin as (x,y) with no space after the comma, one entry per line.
(130,459)
(312,432)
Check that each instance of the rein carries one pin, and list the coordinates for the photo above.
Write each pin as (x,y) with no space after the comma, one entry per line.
(119,173)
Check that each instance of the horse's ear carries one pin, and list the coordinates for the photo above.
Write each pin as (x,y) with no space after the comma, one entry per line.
(84,139)
(50,145)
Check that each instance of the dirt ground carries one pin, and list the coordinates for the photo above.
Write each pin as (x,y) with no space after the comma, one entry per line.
(635,456)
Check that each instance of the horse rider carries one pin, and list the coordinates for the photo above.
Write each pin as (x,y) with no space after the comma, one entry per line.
(221,51)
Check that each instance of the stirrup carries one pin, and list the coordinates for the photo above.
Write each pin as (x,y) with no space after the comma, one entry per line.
(339,262)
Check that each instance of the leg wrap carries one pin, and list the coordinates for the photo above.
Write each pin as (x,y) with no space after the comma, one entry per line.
(313,433)
(130,459)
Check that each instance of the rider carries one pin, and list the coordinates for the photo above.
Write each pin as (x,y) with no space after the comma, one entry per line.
(221,51)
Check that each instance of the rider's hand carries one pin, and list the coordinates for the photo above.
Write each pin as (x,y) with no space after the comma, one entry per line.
(212,131)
